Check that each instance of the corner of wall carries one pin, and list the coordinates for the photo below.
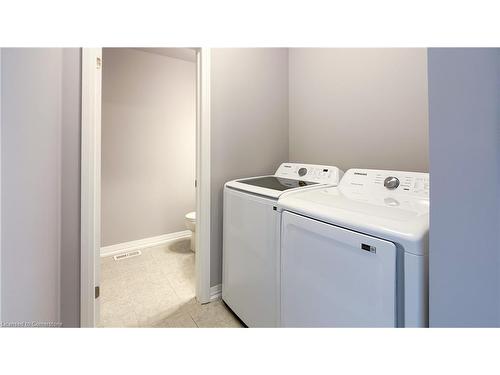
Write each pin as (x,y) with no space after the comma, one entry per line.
(288,50)
(0,185)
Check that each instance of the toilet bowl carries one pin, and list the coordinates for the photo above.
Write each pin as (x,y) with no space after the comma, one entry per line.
(190,220)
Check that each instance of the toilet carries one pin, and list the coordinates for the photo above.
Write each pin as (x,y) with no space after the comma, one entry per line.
(190,220)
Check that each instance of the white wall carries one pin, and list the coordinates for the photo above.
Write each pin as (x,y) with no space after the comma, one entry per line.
(249,123)
(34,86)
(364,108)
(464,97)
(148,144)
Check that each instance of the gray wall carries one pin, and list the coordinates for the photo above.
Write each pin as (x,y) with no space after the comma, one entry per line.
(359,107)
(36,196)
(148,144)
(70,187)
(464,97)
(249,124)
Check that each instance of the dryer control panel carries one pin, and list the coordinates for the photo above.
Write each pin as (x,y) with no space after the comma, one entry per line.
(380,181)
(324,174)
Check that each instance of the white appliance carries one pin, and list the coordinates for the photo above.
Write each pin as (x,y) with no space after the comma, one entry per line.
(251,232)
(356,255)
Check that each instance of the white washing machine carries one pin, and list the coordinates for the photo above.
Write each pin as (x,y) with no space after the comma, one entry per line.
(251,233)
(357,255)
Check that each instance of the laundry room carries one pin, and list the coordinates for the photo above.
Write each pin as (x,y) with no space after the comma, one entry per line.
(278,187)
(334,109)
(228,186)
(325,112)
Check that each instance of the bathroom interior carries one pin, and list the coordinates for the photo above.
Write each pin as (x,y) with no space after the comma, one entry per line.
(148,198)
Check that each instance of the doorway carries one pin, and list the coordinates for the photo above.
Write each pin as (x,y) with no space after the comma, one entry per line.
(91,209)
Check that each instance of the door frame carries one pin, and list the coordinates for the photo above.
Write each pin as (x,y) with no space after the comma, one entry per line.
(90,185)
(91,181)
(0,186)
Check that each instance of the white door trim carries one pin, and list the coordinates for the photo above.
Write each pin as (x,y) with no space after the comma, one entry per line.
(90,185)
(0,186)
(203,181)
(91,181)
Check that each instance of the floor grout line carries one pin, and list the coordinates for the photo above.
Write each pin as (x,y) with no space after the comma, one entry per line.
(197,326)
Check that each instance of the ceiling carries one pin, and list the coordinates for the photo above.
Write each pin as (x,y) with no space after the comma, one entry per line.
(188,54)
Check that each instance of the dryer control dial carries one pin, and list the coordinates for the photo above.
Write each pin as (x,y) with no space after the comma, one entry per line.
(391,182)
(302,172)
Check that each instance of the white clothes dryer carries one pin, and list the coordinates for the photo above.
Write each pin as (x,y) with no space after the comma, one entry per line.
(356,255)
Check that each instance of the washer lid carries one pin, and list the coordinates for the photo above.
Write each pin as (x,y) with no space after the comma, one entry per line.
(289,177)
(277,183)
(269,186)
(362,203)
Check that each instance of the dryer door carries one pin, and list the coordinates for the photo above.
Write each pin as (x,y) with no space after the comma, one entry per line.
(333,277)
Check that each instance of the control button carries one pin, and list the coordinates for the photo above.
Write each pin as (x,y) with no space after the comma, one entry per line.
(391,202)
(391,183)
(302,171)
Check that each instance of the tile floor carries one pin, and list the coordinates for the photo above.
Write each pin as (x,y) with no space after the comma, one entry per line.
(157,289)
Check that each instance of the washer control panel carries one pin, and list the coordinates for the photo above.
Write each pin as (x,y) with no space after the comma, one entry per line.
(380,181)
(325,174)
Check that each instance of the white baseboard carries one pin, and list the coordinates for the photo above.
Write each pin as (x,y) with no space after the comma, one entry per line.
(125,247)
(215,292)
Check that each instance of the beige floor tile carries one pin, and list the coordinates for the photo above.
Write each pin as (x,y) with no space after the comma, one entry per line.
(173,258)
(157,289)
(151,311)
(118,314)
(183,280)
(213,315)
(109,269)
(182,320)
(185,291)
